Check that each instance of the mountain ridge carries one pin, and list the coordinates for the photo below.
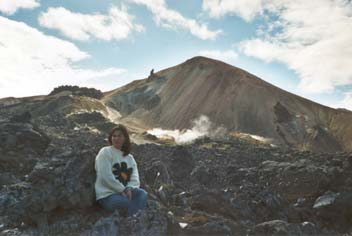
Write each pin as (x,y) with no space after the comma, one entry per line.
(230,97)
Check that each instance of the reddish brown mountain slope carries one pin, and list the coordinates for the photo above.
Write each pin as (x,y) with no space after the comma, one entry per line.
(234,98)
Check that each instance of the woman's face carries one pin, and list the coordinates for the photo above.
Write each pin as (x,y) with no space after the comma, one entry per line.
(117,139)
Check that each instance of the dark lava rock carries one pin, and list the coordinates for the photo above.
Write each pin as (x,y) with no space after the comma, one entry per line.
(22,137)
(279,227)
(209,187)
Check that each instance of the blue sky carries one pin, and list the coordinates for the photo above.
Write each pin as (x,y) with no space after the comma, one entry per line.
(299,47)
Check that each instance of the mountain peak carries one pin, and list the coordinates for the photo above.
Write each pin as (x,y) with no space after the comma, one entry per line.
(202,59)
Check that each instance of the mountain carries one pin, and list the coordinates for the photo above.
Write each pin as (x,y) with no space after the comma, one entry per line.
(230,97)
(234,99)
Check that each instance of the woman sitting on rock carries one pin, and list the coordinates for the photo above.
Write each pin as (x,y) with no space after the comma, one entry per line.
(117,184)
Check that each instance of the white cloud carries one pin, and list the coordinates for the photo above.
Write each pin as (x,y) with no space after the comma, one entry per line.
(34,63)
(243,8)
(311,38)
(172,19)
(346,102)
(226,56)
(117,25)
(9,7)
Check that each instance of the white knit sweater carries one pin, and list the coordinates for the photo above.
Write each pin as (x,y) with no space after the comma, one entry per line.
(114,172)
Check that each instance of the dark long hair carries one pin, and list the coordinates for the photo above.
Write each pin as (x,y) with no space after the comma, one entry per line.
(126,147)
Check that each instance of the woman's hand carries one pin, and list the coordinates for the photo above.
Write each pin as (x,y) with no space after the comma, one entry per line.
(128,193)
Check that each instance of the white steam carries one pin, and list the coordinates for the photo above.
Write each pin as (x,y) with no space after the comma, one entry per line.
(202,126)
(113,114)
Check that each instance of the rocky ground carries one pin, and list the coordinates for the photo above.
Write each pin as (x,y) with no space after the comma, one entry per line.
(210,187)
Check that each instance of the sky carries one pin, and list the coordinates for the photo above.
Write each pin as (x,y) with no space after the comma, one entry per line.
(303,47)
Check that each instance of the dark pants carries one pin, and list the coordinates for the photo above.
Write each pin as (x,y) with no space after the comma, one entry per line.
(123,203)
